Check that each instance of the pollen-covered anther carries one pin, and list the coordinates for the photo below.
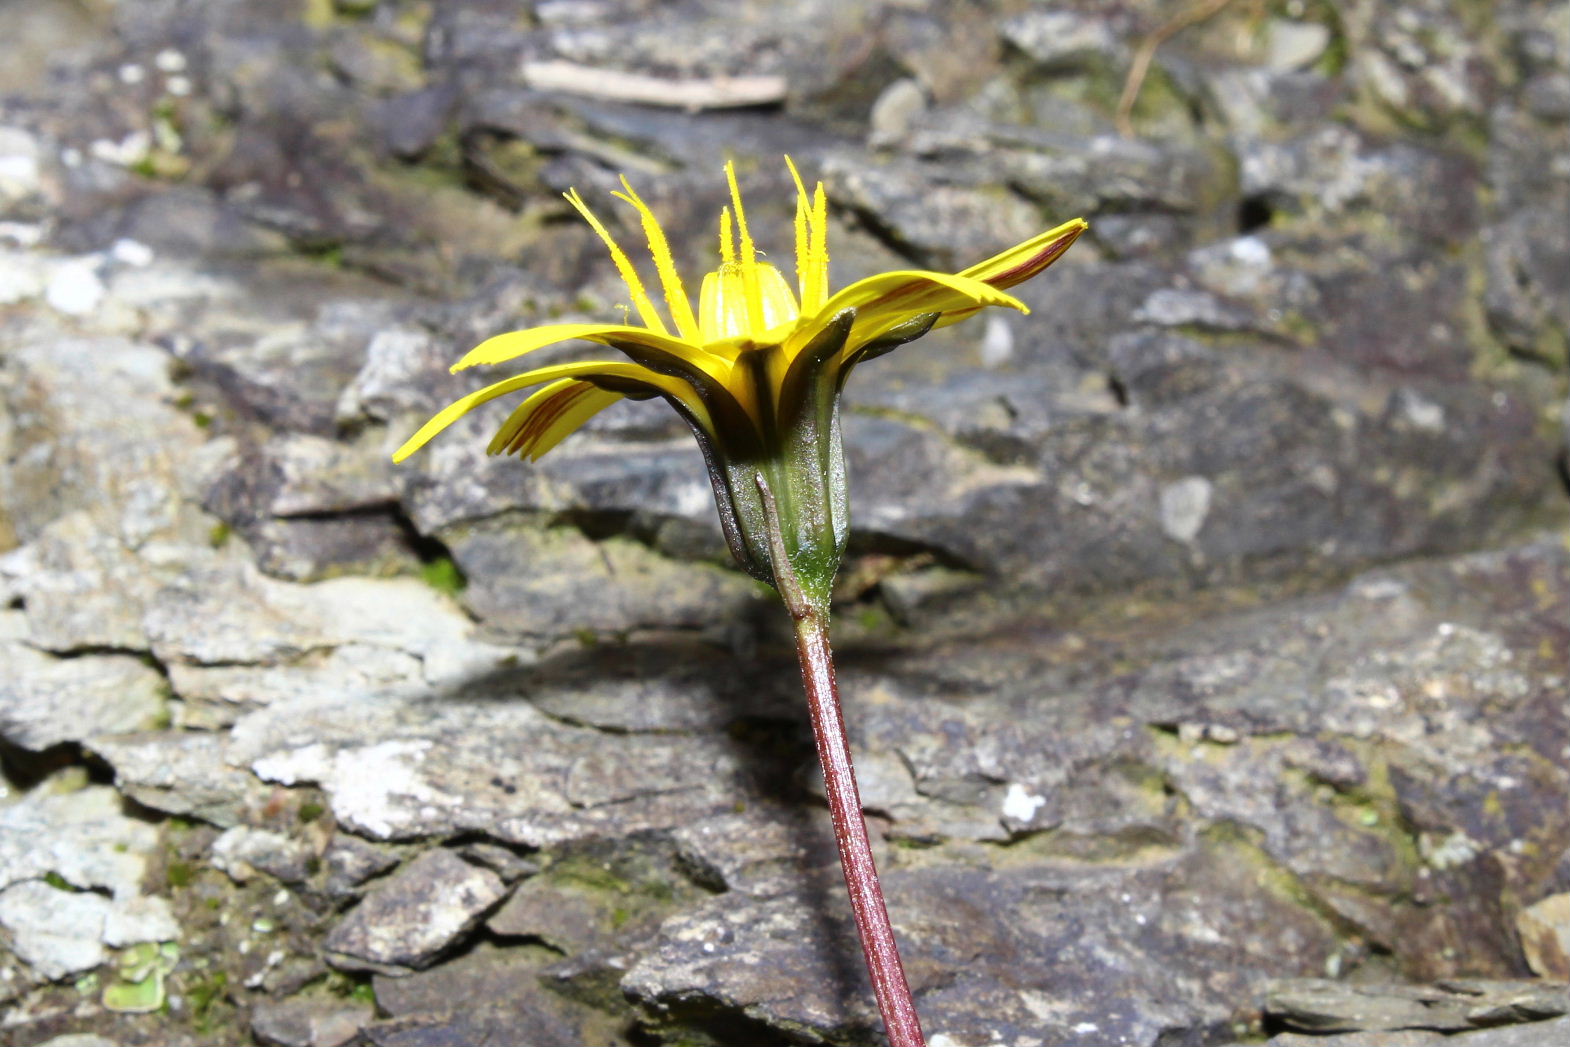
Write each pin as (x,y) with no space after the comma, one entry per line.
(745,302)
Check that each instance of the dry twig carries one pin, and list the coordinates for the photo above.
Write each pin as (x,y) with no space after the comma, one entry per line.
(1199,12)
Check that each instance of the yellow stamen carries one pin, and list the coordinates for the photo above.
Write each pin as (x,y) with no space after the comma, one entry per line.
(803,248)
(629,275)
(670,279)
(749,253)
(744,306)
(819,250)
(727,251)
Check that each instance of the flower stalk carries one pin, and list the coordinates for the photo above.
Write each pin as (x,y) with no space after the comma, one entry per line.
(850,835)
(809,611)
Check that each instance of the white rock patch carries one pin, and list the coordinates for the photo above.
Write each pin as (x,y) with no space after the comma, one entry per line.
(1020,803)
(75,287)
(1184,506)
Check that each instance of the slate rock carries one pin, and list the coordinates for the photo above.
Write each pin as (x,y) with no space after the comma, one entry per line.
(669,686)
(487,995)
(947,225)
(311,507)
(761,850)
(143,918)
(57,932)
(1332,173)
(416,914)
(1064,41)
(243,851)
(185,772)
(291,376)
(231,614)
(309,1022)
(1526,1034)
(83,587)
(462,765)
(1545,936)
(82,835)
(1320,1006)
(505,862)
(1425,65)
(519,573)
(1528,266)
(790,960)
(595,903)
(79,1039)
(186,221)
(411,122)
(45,701)
(351,862)
(132,486)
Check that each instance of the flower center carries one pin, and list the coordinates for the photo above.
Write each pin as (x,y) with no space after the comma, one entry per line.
(744,301)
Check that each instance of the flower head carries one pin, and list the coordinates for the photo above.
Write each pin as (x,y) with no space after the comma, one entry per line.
(756,370)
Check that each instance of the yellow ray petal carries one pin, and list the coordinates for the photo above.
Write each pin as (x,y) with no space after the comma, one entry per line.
(624,372)
(502,442)
(890,298)
(585,405)
(549,416)
(1024,261)
(670,279)
(629,275)
(516,343)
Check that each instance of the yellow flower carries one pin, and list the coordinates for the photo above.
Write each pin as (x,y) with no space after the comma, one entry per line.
(756,370)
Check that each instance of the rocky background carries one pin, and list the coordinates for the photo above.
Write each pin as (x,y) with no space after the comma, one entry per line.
(1205,634)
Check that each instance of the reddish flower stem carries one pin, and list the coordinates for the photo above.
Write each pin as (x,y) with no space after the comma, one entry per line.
(850,832)
(807,600)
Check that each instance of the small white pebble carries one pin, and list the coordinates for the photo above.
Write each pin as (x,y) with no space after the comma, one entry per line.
(1020,804)
(74,288)
(170,61)
(1251,250)
(179,86)
(997,342)
(131,252)
(22,234)
(132,74)
(129,150)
